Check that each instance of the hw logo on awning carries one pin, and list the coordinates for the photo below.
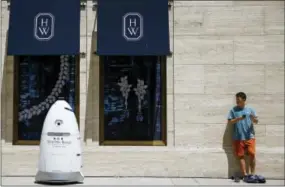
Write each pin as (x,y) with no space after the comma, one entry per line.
(133,26)
(44,26)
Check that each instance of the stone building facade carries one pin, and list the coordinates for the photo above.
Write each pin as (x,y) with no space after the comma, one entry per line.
(218,48)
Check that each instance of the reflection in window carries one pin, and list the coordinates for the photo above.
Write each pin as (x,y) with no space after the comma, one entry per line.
(41,81)
(132,98)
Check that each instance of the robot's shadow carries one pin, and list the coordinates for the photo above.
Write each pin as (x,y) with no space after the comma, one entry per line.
(57,183)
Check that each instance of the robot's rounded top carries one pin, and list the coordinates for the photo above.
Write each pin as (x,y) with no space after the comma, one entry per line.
(60,118)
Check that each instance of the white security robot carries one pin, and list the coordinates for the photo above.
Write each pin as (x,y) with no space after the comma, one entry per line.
(60,147)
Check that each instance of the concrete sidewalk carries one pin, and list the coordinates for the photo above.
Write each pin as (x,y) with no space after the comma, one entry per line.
(141,181)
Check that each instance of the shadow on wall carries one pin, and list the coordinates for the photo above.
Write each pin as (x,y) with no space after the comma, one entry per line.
(233,165)
(92,97)
(227,146)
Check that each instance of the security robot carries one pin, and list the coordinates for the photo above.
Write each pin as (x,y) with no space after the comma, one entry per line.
(60,147)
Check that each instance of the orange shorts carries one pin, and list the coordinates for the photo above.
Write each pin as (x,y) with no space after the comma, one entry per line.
(241,145)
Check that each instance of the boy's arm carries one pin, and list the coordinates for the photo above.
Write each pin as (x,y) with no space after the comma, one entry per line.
(253,117)
(232,120)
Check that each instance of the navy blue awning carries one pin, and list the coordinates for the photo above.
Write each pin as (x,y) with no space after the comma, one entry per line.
(133,27)
(44,27)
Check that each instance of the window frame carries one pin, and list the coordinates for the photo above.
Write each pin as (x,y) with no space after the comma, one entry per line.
(163,141)
(16,140)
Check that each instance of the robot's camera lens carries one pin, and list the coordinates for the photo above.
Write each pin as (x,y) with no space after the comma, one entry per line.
(58,122)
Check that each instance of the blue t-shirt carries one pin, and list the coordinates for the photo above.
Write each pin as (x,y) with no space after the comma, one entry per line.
(243,129)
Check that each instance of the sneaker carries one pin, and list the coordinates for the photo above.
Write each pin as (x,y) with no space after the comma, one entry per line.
(250,179)
(260,178)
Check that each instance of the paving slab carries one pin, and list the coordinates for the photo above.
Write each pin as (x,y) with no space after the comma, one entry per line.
(95,181)
(207,181)
(128,181)
(112,181)
(184,181)
(18,181)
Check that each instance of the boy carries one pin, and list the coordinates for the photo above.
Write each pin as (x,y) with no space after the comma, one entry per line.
(243,118)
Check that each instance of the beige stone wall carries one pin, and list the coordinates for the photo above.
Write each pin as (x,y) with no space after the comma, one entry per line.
(220,48)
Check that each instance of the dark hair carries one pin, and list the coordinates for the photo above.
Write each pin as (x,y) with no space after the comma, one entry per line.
(241,95)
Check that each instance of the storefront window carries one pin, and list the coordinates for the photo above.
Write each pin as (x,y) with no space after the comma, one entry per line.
(39,82)
(133,100)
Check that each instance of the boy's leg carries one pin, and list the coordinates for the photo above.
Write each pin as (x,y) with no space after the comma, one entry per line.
(251,151)
(242,165)
(239,152)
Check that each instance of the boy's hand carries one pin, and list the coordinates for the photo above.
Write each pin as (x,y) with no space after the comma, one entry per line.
(253,118)
(240,118)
